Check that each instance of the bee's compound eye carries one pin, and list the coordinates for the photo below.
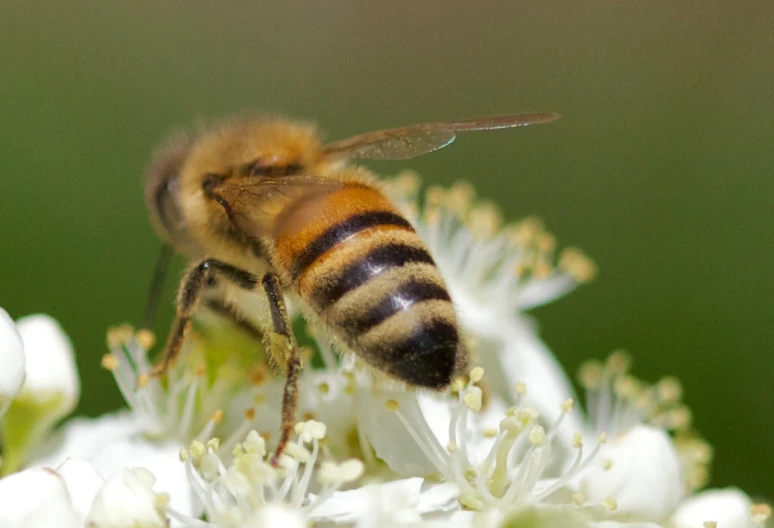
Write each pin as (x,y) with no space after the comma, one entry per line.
(275,166)
(212,181)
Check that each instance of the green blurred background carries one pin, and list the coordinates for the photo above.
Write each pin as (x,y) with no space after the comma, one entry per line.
(661,168)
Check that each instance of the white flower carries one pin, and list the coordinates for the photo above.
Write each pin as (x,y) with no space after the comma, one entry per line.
(504,466)
(34,496)
(235,487)
(50,390)
(128,500)
(83,482)
(12,360)
(396,502)
(641,470)
(51,374)
(41,497)
(275,515)
(327,396)
(187,404)
(114,442)
(617,402)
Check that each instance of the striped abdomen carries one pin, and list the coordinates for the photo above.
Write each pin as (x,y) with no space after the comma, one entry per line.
(369,276)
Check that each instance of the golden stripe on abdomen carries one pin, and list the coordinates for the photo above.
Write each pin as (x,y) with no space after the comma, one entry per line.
(341,232)
(380,259)
(405,297)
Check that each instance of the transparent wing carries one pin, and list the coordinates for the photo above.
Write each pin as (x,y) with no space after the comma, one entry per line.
(411,141)
(253,205)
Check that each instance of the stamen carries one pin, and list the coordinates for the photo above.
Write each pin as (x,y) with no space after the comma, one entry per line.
(760,514)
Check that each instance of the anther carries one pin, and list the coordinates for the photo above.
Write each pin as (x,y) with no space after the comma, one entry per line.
(476,374)
(145,339)
(109,362)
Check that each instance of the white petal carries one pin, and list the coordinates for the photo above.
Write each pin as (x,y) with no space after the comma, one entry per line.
(276,515)
(353,505)
(616,524)
(644,478)
(113,442)
(126,499)
(55,513)
(83,437)
(26,496)
(50,362)
(436,498)
(387,504)
(12,360)
(386,433)
(539,518)
(82,482)
(729,507)
(518,355)
(331,406)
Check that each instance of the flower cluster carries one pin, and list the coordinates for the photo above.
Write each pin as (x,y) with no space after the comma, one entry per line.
(506,446)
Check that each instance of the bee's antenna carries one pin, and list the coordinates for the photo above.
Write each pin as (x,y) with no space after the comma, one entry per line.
(157,286)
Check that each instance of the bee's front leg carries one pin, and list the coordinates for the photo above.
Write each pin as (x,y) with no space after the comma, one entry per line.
(188,296)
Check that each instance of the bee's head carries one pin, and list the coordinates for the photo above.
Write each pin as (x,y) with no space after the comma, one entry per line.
(243,150)
(162,192)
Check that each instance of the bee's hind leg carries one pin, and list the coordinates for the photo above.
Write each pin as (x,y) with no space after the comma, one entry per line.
(291,355)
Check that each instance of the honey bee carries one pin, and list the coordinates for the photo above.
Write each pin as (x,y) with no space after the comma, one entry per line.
(261,207)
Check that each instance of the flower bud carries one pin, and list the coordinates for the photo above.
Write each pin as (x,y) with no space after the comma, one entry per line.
(12,360)
(726,507)
(127,500)
(36,497)
(51,374)
(50,390)
(643,476)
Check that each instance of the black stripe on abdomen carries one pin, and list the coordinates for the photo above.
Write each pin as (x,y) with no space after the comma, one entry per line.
(406,297)
(342,231)
(379,260)
(426,357)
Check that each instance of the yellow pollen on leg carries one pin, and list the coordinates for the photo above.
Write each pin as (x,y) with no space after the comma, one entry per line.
(391,405)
